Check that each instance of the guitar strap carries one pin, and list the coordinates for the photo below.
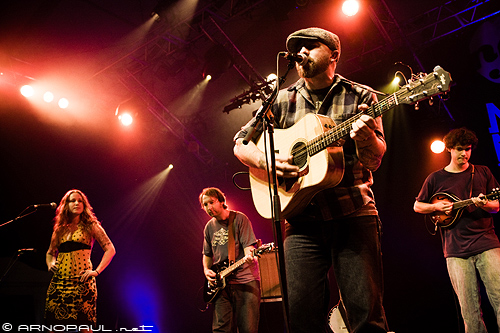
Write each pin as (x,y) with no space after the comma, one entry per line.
(471,180)
(231,250)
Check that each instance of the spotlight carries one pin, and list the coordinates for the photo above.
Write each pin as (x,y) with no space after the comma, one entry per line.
(171,166)
(63,103)
(48,97)
(126,119)
(155,16)
(437,147)
(217,61)
(126,111)
(350,7)
(161,6)
(398,78)
(27,91)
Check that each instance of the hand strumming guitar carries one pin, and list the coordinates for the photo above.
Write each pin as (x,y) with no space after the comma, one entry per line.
(210,275)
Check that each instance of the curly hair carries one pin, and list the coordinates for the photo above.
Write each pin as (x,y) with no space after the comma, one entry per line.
(61,219)
(460,137)
(214,193)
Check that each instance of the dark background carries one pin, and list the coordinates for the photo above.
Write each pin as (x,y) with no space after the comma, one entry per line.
(93,52)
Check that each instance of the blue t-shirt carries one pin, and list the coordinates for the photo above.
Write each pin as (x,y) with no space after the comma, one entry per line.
(473,232)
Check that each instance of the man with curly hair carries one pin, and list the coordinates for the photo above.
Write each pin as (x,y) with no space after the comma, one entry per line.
(469,242)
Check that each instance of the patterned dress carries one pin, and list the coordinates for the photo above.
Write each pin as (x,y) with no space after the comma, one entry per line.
(70,301)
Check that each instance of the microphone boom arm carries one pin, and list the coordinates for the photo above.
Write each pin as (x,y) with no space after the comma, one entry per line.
(21,215)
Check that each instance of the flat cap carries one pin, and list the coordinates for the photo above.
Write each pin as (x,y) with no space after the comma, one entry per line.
(294,41)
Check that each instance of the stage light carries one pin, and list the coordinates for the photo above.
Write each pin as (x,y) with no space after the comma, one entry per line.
(155,16)
(398,78)
(217,61)
(127,111)
(350,7)
(272,79)
(437,147)
(63,103)
(48,97)
(27,90)
(126,119)
(208,77)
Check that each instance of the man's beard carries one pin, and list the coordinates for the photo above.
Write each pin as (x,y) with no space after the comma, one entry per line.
(314,68)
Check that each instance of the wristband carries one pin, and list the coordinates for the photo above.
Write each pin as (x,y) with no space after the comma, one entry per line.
(97,271)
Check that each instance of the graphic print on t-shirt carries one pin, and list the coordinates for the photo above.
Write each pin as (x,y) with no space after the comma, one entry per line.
(220,237)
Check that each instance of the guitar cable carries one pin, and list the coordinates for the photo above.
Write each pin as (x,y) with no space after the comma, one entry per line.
(200,291)
(238,186)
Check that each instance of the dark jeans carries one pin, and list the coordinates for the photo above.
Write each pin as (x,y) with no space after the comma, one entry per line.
(352,246)
(237,306)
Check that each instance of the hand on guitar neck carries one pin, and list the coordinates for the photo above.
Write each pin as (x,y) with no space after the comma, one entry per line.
(448,208)
(249,258)
(315,142)
(220,271)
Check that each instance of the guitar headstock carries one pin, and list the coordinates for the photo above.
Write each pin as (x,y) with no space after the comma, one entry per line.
(494,194)
(425,86)
(263,249)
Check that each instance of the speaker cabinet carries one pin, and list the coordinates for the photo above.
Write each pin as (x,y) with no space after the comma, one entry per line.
(269,278)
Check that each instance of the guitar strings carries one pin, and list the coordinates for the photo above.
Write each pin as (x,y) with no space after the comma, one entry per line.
(325,139)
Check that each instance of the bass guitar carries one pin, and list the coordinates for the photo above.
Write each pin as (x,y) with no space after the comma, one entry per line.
(315,142)
(446,220)
(211,290)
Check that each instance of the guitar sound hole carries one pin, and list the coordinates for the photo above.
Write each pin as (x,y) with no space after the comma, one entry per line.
(299,152)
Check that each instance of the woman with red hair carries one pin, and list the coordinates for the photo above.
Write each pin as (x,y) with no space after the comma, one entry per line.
(72,293)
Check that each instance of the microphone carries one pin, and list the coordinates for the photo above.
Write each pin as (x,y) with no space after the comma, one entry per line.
(298,58)
(26,250)
(52,205)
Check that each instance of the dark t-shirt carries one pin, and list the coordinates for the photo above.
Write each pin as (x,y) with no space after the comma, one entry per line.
(474,231)
(215,245)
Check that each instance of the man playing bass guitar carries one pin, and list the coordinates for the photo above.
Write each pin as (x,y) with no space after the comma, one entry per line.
(469,243)
(236,306)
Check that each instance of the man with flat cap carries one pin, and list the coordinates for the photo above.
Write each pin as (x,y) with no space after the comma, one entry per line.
(340,227)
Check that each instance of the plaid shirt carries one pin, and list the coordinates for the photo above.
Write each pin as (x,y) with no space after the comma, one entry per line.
(353,195)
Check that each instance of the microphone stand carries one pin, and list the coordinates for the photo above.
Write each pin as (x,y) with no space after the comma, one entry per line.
(11,263)
(20,216)
(266,117)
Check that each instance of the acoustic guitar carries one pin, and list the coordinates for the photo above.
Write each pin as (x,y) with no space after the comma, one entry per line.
(447,220)
(315,142)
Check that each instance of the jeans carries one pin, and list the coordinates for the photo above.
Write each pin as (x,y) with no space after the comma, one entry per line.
(352,246)
(237,307)
(463,277)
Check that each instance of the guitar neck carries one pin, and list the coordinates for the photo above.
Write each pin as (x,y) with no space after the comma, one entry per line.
(338,132)
(231,268)
(463,203)
(255,252)
(425,87)
(467,202)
